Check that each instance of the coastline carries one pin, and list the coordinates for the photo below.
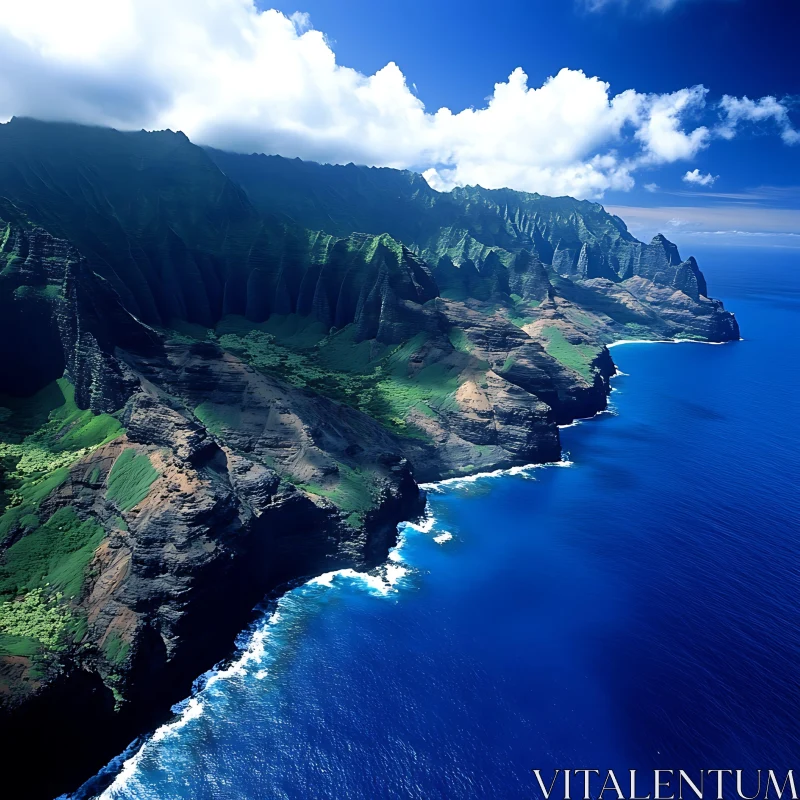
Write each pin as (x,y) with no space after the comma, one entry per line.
(619,342)
(251,647)
(252,643)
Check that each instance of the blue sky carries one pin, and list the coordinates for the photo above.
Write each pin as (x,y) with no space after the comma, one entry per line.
(454,52)
(680,115)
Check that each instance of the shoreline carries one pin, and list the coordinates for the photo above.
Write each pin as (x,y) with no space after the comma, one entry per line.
(380,581)
(251,646)
(619,342)
(251,643)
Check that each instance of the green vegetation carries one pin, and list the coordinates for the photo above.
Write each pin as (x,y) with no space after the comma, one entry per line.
(582,318)
(130,479)
(365,375)
(578,357)
(354,491)
(355,519)
(40,437)
(48,431)
(218,417)
(292,330)
(520,315)
(521,320)
(460,340)
(11,645)
(34,492)
(34,616)
(116,648)
(340,352)
(52,556)
(182,332)
(634,330)
(396,397)
(18,517)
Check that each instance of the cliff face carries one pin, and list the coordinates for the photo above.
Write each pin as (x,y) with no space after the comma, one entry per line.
(577,238)
(221,373)
(208,485)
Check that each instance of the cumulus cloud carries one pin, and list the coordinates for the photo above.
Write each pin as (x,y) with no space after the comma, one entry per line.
(699,179)
(651,187)
(236,77)
(766,109)
(660,126)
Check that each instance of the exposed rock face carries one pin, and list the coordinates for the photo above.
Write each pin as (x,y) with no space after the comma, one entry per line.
(69,318)
(271,393)
(177,574)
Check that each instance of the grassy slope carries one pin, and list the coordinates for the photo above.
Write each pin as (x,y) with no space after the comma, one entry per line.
(381,381)
(577,357)
(366,375)
(40,437)
(130,479)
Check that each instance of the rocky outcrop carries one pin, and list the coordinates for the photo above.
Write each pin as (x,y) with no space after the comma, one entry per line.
(69,318)
(177,573)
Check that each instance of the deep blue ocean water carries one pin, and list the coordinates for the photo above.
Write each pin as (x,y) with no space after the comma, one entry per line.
(639,608)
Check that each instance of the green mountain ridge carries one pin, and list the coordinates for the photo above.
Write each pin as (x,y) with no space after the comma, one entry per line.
(578,237)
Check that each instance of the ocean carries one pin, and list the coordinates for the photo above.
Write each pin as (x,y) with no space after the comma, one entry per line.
(637,606)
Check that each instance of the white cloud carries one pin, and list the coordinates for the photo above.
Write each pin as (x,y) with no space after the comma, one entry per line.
(742,109)
(660,128)
(235,77)
(647,5)
(651,187)
(699,179)
(634,5)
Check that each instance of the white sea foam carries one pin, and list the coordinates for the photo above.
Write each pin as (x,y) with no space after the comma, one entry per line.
(610,410)
(524,470)
(194,707)
(394,574)
(191,709)
(638,341)
(381,581)
(660,341)
(694,341)
(444,536)
(425,523)
(373,581)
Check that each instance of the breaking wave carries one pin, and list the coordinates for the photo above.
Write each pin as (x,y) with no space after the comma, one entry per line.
(259,647)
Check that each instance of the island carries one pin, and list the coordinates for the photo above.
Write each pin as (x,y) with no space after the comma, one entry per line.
(224,373)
